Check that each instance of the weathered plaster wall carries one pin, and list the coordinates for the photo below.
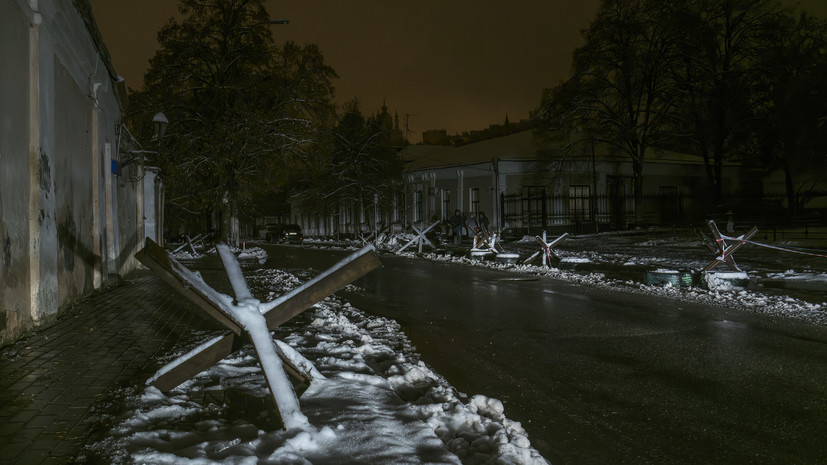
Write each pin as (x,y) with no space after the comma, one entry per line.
(76,252)
(67,224)
(15,300)
(128,191)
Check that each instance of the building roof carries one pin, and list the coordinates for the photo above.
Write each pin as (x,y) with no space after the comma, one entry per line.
(511,147)
(519,146)
(84,8)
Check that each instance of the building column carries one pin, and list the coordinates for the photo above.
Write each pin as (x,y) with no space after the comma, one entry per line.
(497,187)
(460,191)
(431,199)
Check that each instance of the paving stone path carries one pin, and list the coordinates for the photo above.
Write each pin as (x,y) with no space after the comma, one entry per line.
(57,383)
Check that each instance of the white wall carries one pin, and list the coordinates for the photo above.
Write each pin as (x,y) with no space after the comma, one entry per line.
(61,209)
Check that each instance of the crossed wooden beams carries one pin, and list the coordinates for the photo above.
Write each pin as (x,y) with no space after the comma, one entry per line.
(486,242)
(720,247)
(226,311)
(372,236)
(191,243)
(420,238)
(546,248)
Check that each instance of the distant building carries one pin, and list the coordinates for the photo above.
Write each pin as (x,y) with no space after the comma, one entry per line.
(435,137)
(504,178)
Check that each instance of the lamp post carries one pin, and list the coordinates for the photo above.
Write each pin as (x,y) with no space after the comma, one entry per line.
(159,126)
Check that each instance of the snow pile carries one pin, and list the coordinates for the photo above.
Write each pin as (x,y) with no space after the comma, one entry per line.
(377,403)
(725,281)
(252,253)
(184,255)
(722,293)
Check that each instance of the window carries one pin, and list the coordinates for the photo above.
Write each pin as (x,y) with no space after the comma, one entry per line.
(395,218)
(417,206)
(446,204)
(475,200)
(580,202)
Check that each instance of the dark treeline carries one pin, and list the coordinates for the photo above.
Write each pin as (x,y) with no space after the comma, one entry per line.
(728,80)
(252,123)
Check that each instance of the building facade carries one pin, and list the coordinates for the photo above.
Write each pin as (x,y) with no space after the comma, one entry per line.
(521,194)
(70,217)
(505,179)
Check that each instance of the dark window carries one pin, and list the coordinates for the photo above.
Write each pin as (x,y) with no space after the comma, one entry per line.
(475,201)
(417,206)
(580,202)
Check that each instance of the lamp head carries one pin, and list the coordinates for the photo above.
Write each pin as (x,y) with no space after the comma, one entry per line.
(159,124)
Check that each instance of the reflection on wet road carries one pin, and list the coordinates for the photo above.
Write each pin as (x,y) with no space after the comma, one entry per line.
(599,376)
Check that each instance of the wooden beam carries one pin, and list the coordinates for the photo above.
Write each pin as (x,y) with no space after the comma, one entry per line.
(158,260)
(208,354)
(276,313)
(189,365)
(335,279)
(725,251)
(420,237)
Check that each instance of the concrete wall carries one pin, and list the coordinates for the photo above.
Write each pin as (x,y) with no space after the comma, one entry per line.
(15,173)
(67,224)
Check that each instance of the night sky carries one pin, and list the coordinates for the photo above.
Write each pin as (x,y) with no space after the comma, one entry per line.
(454,65)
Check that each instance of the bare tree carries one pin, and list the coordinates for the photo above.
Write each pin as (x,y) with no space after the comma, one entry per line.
(720,48)
(621,91)
(792,136)
(240,108)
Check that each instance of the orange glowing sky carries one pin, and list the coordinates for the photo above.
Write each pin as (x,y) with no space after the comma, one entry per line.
(457,65)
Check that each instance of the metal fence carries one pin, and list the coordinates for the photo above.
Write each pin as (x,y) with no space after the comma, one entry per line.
(534,211)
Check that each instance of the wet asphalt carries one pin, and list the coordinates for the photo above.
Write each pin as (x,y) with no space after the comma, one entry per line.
(600,376)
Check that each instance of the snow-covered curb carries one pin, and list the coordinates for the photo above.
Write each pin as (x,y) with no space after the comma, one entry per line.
(779,305)
(722,295)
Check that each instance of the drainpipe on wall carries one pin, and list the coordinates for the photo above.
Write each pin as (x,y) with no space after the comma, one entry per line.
(34,166)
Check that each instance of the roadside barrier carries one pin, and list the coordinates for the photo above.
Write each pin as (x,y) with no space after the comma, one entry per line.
(420,238)
(546,249)
(723,250)
(249,320)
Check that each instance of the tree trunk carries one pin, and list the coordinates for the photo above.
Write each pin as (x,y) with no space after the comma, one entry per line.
(792,205)
(718,175)
(637,170)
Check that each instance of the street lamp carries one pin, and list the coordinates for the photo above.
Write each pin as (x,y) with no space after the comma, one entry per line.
(159,123)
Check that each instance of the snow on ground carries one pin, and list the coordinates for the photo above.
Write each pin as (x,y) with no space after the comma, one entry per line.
(721,293)
(618,260)
(255,253)
(376,404)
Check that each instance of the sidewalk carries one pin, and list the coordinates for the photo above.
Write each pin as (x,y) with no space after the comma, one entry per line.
(56,384)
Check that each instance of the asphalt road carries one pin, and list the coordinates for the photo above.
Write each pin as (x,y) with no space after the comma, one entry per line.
(599,376)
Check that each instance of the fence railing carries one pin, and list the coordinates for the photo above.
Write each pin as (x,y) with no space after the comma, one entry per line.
(531,213)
